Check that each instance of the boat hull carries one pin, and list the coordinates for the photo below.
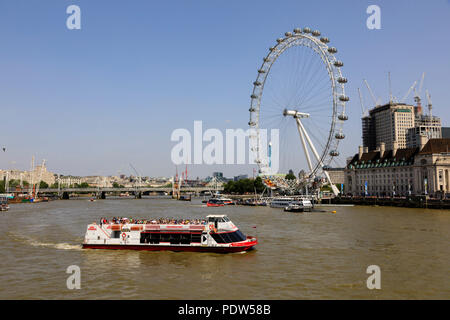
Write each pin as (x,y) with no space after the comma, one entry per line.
(235,248)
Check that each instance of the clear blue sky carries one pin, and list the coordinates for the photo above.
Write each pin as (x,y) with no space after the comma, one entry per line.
(91,101)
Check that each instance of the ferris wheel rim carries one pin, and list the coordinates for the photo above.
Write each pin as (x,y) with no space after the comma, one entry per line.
(339,99)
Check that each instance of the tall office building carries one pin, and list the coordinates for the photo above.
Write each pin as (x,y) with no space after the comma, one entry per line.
(389,124)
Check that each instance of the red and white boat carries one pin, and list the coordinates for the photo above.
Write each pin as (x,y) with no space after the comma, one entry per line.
(216,234)
(219,202)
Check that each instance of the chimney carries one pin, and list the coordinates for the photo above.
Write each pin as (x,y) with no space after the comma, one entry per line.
(394,148)
(360,152)
(423,139)
(382,149)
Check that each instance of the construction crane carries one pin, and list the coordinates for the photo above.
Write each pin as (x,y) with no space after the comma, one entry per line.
(363,110)
(417,98)
(429,103)
(375,101)
(409,91)
(390,88)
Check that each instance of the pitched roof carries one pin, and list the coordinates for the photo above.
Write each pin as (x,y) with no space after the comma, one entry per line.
(402,157)
(436,146)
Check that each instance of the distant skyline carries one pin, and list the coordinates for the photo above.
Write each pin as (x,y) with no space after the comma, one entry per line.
(94,100)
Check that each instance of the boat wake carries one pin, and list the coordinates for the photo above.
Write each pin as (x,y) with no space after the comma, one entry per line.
(59,246)
(37,243)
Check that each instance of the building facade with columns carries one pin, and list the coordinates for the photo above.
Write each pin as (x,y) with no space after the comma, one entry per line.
(423,170)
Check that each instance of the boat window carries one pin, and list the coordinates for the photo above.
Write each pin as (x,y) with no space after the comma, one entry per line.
(115,234)
(229,237)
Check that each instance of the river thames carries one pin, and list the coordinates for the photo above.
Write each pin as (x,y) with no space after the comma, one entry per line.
(317,255)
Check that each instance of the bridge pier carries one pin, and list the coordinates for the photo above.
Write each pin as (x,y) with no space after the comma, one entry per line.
(101,195)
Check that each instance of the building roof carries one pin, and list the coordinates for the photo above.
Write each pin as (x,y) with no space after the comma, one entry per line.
(372,159)
(403,157)
(436,146)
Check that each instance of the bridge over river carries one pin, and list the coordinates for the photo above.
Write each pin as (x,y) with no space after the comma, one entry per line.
(136,191)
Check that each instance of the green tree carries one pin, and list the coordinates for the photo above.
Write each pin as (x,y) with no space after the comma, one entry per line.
(290,175)
(229,187)
(43,185)
(259,185)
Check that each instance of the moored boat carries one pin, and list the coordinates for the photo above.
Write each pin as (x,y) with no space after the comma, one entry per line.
(213,202)
(295,206)
(284,202)
(281,202)
(214,234)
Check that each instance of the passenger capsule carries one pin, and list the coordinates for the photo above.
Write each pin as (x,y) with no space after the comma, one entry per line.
(271,49)
(332,50)
(343,117)
(261,71)
(326,168)
(316,33)
(339,136)
(279,40)
(342,80)
(266,59)
(257,83)
(324,40)
(297,30)
(251,124)
(252,109)
(254,96)
(288,34)
(344,98)
(306,30)
(334,153)
(338,64)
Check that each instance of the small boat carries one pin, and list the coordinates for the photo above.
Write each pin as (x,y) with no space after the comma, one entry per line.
(185,198)
(213,202)
(216,233)
(4,204)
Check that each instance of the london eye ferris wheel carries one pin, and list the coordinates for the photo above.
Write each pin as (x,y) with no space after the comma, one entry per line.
(299,90)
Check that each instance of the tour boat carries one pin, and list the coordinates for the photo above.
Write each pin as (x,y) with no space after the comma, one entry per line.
(295,206)
(281,202)
(213,202)
(216,234)
(226,201)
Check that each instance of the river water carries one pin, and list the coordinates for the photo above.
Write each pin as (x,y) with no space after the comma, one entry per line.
(317,255)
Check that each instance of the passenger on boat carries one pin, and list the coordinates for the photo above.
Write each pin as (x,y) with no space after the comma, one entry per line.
(120,220)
